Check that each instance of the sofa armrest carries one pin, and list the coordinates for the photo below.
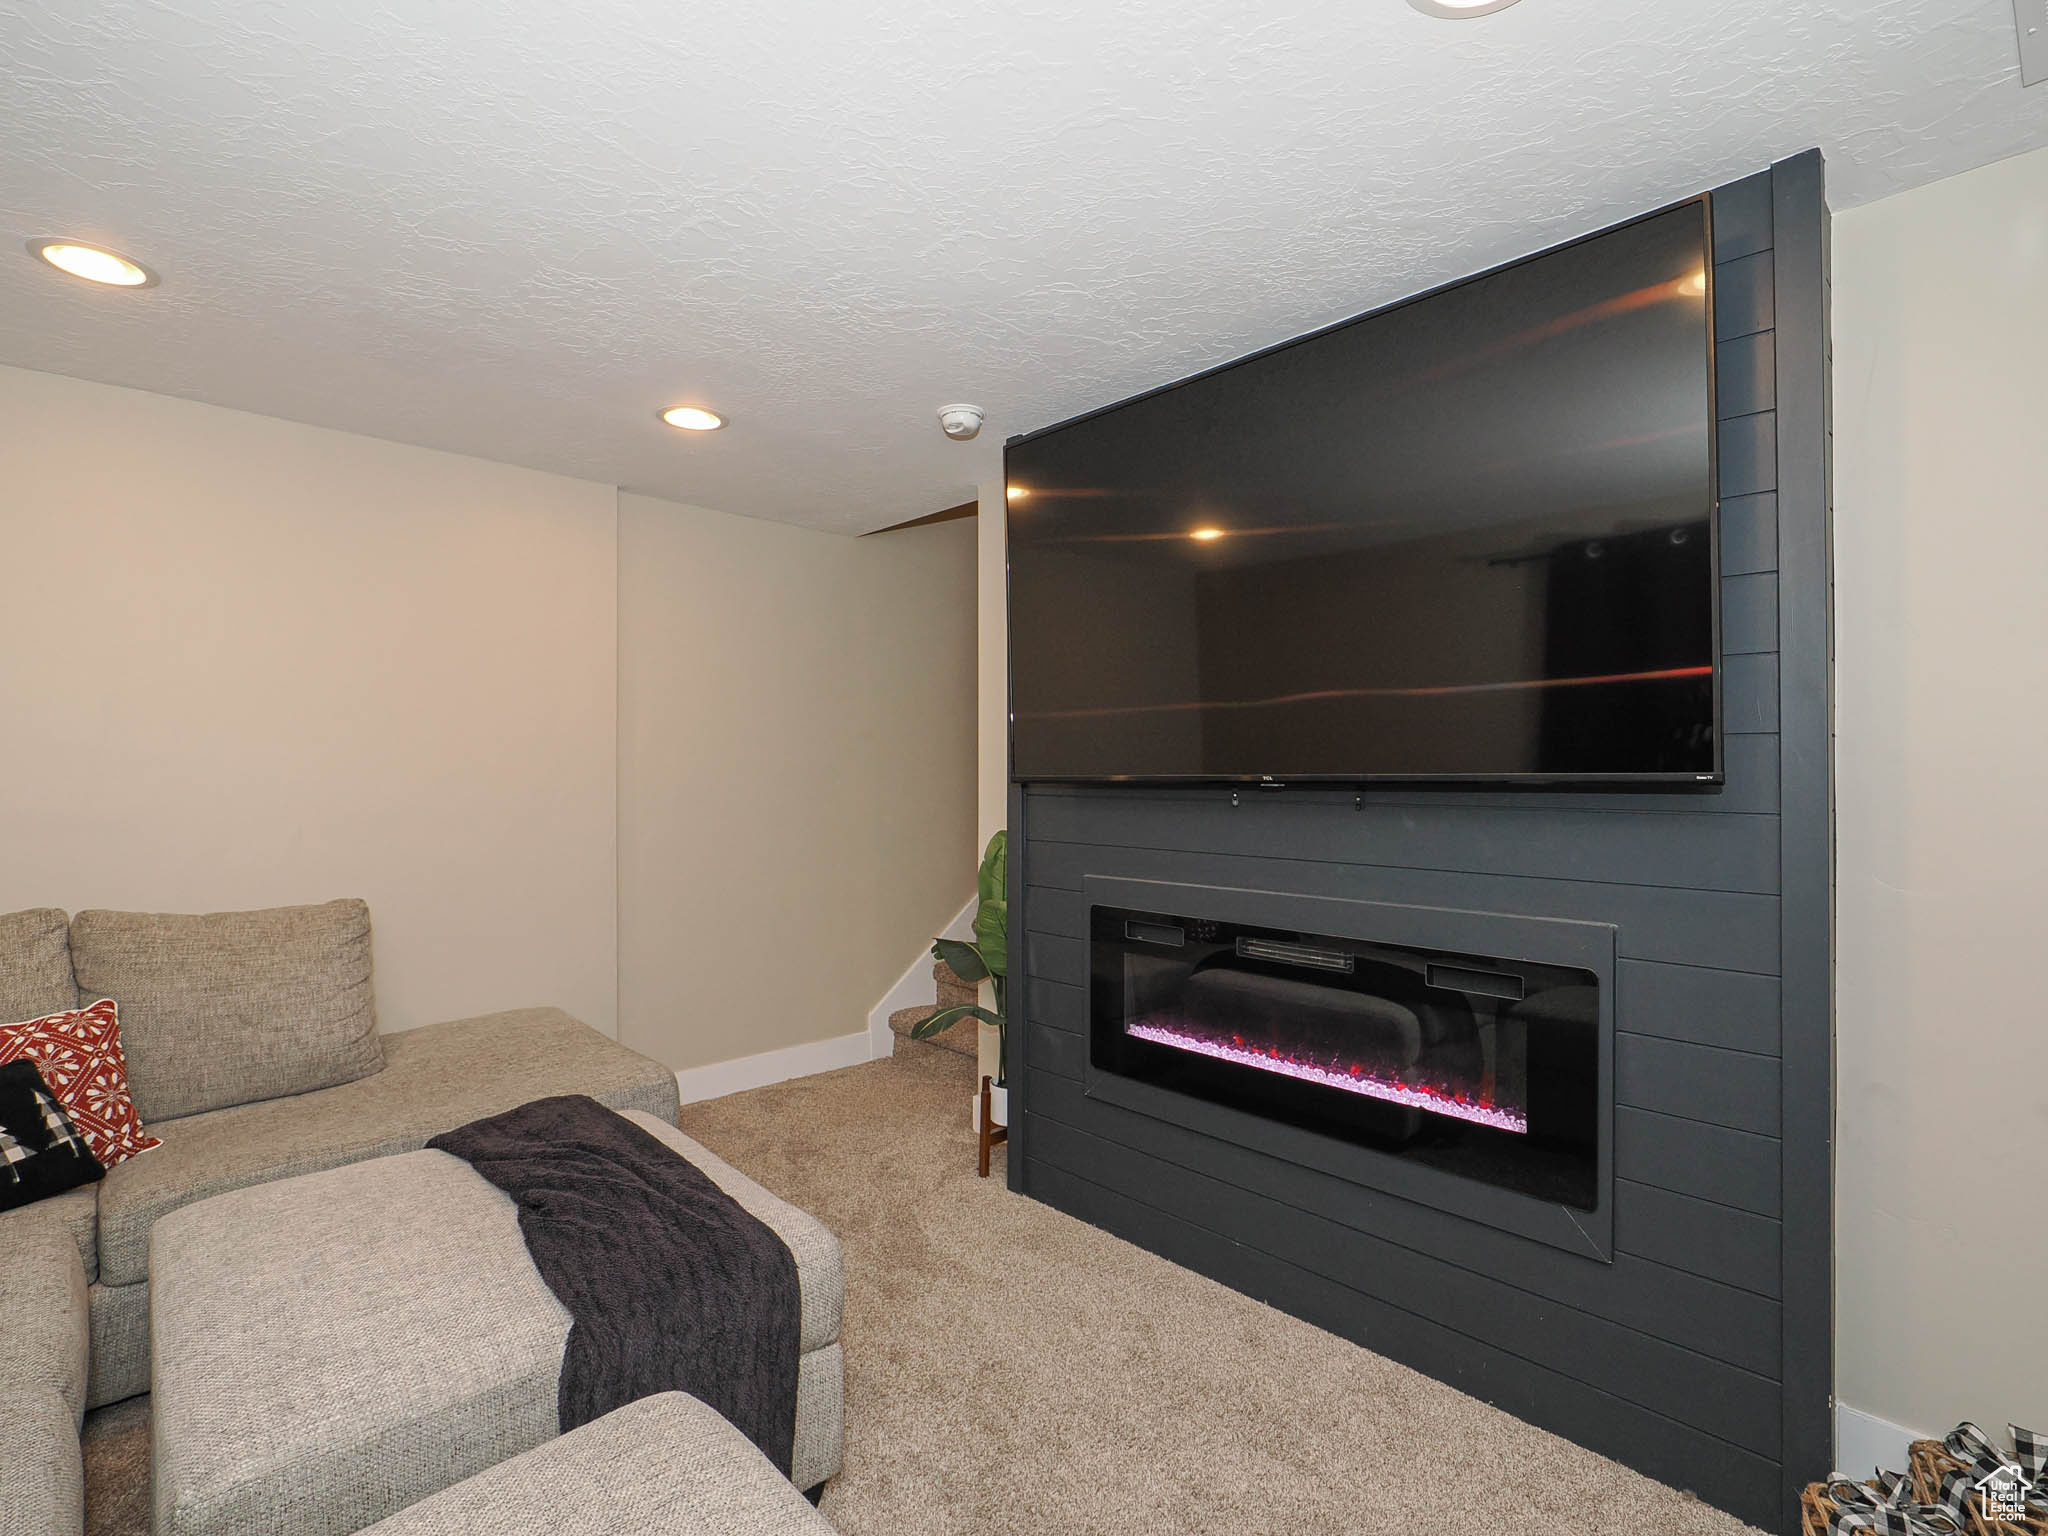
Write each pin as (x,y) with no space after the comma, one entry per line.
(42,1379)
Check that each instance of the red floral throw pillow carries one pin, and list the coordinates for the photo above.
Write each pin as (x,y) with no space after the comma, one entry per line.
(79,1054)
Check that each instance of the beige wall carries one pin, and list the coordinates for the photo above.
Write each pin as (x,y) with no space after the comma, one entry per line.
(796,780)
(251,663)
(1941,533)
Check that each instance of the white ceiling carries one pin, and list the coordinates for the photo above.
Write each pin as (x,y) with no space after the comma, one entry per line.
(516,228)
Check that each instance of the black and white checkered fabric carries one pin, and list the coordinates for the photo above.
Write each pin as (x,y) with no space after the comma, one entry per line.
(1885,1506)
(42,1152)
(1987,1466)
(2032,1451)
(62,1134)
(12,1152)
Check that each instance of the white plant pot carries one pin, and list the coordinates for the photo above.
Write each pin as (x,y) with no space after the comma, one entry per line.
(988,1051)
(998,1108)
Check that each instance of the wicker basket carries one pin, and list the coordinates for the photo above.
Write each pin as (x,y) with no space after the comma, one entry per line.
(1929,1461)
(1816,1508)
(1819,1504)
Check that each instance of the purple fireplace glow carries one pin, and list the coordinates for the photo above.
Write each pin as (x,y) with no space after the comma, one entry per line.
(1332,1069)
(1484,1067)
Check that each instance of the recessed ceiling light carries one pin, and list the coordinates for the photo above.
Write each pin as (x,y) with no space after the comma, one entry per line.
(692,418)
(1207,535)
(93,263)
(1016,493)
(1459,10)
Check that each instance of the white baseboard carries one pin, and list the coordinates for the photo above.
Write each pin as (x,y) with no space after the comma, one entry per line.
(723,1077)
(914,988)
(1864,1442)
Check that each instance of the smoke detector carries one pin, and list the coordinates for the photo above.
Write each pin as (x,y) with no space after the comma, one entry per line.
(1458,10)
(960,422)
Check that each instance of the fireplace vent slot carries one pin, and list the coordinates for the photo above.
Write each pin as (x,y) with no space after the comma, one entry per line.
(1156,933)
(1460,978)
(1296,954)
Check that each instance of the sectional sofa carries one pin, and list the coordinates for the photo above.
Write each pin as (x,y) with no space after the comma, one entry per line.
(241,1094)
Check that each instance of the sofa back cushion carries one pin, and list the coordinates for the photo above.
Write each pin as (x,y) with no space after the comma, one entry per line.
(234,1007)
(35,964)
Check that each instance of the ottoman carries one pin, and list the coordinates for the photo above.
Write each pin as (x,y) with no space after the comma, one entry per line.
(664,1464)
(330,1349)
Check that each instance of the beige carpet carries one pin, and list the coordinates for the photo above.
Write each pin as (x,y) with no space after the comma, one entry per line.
(116,1443)
(1012,1370)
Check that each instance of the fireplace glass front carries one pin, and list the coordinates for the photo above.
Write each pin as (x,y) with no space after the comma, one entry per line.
(1483,1067)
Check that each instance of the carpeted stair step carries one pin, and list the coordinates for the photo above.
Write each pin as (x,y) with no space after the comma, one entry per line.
(952,990)
(954,1037)
(961,1037)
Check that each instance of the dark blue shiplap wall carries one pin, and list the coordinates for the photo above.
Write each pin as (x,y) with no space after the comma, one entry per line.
(1681,1357)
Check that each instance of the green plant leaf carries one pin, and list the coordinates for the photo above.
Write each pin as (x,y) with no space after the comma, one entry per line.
(991,932)
(963,957)
(992,881)
(992,911)
(946,1018)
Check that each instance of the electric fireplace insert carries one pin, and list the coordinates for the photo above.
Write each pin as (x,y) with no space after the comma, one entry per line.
(1482,1067)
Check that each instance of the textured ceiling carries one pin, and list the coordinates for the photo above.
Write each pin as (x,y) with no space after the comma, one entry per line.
(517,229)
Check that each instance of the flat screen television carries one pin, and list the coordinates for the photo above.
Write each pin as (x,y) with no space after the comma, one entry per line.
(1470,537)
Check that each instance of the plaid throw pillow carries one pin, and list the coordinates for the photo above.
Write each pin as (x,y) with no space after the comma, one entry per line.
(79,1055)
(41,1152)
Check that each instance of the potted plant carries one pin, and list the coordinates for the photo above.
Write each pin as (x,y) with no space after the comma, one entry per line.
(984,958)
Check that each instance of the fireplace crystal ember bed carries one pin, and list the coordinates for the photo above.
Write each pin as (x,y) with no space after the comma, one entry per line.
(1483,1067)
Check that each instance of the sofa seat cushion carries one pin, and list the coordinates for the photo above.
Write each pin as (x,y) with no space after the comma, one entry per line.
(434,1079)
(42,1380)
(35,964)
(663,1466)
(120,1344)
(228,1008)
